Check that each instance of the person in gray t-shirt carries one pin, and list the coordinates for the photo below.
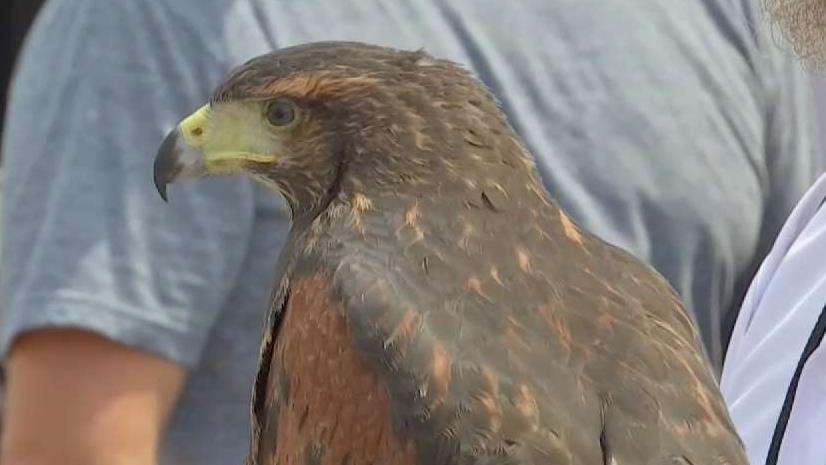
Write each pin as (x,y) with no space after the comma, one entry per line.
(672,128)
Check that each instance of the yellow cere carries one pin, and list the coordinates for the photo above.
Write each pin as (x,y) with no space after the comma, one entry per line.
(229,134)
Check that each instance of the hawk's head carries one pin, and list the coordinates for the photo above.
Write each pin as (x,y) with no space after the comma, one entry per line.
(294,118)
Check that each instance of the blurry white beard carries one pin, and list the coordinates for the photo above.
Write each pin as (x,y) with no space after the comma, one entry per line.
(803,23)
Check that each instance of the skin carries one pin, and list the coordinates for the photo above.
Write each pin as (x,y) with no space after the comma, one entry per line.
(97,402)
(803,23)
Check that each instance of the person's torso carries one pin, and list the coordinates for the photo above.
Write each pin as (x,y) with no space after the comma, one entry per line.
(779,319)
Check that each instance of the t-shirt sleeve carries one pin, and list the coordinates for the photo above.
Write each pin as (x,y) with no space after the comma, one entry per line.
(794,155)
(87,242)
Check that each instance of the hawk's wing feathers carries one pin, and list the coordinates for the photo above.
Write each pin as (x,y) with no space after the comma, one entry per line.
(584,357)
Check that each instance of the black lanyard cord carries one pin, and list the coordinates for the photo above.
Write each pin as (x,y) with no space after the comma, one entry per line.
(783,421)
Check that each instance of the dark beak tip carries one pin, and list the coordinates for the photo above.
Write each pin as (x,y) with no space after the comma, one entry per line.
(166,164)
(162,191)
(160,185)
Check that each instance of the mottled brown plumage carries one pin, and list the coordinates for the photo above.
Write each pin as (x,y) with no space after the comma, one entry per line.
(433,304)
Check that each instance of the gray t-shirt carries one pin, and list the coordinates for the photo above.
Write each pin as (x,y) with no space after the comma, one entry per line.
(668,127)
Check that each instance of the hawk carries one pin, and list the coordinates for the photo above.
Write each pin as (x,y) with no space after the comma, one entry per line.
(433,304)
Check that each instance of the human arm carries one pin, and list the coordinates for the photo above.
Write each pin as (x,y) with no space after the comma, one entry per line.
(87,243)
(93,400)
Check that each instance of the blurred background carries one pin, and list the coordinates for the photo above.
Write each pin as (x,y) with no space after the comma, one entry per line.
(15,18)
(819,84)
(17,15)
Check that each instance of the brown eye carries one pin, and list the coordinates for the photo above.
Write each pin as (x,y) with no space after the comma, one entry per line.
(280,112)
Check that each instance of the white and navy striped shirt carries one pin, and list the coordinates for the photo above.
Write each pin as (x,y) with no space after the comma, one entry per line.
(774,376)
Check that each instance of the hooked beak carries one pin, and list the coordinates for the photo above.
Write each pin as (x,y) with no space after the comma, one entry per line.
(180,157)
(176,161)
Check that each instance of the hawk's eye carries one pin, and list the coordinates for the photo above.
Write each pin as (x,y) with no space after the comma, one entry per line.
(280,112)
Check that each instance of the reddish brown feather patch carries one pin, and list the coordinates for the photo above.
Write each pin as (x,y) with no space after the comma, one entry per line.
(317,85)
(569,228)
(440,375)
(410,321)
(489,397)
(333,400)
(526,405)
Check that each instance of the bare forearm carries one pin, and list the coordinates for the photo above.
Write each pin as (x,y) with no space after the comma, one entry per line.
(77,398)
